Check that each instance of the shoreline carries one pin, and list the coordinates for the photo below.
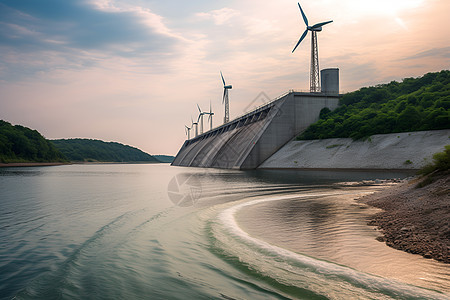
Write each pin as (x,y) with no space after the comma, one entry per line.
(32,164)
(414,220)
(49,164)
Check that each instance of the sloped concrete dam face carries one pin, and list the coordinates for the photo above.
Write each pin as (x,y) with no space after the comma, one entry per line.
(248,141)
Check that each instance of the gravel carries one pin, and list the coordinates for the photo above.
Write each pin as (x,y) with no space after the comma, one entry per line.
(415,220)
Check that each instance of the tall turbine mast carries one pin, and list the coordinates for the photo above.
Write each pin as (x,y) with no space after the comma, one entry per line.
(225,99)
(200,118)
(195,126)
(314,84)
(211,114)
(314,81)
(188,131)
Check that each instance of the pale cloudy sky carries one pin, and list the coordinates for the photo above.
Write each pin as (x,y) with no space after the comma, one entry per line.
(132,71)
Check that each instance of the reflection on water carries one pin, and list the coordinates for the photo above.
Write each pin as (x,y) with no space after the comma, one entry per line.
(111,231)
(334,228)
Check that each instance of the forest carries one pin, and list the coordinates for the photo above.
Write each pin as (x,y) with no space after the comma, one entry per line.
(89,150)
(22,144)
(414,104)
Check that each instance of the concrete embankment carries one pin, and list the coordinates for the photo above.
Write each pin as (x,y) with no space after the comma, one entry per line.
(410,150)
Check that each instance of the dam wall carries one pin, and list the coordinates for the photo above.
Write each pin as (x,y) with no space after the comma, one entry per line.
(247,141)
(399,151)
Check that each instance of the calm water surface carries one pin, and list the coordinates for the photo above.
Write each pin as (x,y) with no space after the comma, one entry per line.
(161,232)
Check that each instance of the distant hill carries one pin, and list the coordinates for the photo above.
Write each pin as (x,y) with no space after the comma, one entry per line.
(19,144)
(414,104)
(164,158)
(88,150)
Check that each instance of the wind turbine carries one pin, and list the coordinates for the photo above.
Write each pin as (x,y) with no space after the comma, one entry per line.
(188,131)
(200,117)
(194,125)
(210,114)
(225,99)
(314,84)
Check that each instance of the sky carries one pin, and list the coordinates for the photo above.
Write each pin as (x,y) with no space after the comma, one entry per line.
(133,71)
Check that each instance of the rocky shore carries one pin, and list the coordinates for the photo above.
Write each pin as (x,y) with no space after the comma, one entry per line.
(415,220)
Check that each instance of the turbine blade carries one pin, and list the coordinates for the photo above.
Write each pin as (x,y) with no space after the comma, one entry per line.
(199,108)
(224,93)
(300,40)
(223,80)
(320,24)
(303,14)
(210,110)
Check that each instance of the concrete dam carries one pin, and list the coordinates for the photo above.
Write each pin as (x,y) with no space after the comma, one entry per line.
(247,141)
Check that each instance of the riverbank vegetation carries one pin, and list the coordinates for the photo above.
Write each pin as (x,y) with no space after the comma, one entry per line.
(88,150)
(440,167)
(414,104)
(19,144)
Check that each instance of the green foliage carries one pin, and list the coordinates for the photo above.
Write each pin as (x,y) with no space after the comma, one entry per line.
(438,169)
(88,150)
(414,104)
(334,146)
(441,162)
(22,144)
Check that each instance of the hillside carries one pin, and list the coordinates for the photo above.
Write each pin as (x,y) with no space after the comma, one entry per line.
(87,150)
(415,104)
(19,144)
(164,158)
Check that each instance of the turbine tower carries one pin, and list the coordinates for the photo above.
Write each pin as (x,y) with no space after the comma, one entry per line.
(200,118)
(194,125)
(210,115)
(314,82)
(225,100)
(188,131)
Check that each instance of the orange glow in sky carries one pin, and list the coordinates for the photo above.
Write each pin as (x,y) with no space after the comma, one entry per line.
(133,71)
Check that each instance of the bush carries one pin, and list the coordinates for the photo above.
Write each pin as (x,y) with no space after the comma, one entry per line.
(441,162)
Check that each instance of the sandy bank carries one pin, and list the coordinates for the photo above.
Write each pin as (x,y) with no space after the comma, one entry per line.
(415,220)
(401,151)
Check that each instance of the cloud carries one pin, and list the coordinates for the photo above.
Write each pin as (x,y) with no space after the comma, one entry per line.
(433,53)
(79,30)
(219,16)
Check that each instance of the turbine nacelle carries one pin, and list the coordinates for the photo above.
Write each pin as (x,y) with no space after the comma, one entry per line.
(228,87)
(310,28)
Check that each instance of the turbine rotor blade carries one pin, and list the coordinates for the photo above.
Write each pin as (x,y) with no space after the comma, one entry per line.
(199,108)
(224,93)
(300,40)
(303,15)
(320,24)
(223,80)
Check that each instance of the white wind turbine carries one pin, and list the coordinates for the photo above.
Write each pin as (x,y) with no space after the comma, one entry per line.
(210,115)
(195,126)
(200,118)
(188,131)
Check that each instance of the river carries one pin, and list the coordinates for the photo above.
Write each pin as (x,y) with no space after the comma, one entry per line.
(152,231)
